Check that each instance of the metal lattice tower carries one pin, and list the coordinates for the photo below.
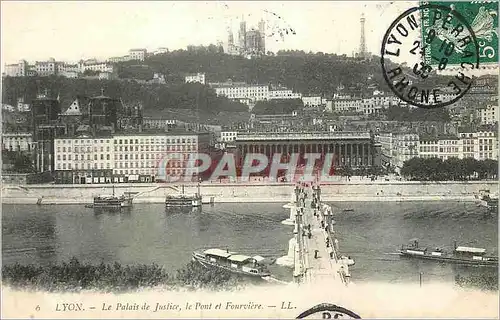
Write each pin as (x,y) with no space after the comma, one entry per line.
(362,46)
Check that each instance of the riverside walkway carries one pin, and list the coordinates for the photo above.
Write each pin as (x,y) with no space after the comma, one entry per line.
(316,258)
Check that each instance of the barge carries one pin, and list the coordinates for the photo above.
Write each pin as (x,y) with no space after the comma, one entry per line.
(232,262)
(460,255)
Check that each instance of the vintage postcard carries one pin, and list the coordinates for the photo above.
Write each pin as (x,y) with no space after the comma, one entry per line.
(247,159)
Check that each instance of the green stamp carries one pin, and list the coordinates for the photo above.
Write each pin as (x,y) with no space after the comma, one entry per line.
(481,17)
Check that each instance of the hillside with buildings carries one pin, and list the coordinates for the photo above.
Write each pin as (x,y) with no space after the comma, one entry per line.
(209,100)
(307,73)
(154,97)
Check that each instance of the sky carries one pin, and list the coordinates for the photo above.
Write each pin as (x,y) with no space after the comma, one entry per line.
(70,31)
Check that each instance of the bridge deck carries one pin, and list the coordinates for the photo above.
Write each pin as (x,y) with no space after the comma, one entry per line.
(323,267)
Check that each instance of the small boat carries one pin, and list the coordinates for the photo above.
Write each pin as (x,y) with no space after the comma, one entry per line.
(183,200)
(111,201)
(460,255)
(108,201)
(487,200)
(230,261)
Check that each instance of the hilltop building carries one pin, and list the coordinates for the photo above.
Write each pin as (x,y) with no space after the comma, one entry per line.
(250,42)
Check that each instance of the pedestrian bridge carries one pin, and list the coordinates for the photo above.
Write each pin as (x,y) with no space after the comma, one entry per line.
(316,257)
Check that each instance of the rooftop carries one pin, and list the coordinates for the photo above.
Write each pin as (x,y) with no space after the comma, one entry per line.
(238,258)
(289,136)
(470,250)
(425,137)
(234,84)
(218,253)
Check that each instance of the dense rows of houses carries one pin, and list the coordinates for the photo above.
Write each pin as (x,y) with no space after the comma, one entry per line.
(125,157)
(479,144)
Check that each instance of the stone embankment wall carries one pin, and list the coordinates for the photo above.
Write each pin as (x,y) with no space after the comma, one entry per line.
(277,192)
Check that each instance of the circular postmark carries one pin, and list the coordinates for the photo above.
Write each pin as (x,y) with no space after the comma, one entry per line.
(328,311)
(427,55)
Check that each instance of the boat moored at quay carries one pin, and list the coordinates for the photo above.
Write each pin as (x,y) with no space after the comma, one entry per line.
(111,201)
(183,200)
(487,200)
(230,261)
(460,255)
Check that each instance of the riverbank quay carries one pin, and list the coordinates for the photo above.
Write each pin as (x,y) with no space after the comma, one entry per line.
(45,194)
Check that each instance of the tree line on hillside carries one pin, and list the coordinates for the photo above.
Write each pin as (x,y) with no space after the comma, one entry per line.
(308,73)
(157,97)
(451,169)
(278,106)
(396,113)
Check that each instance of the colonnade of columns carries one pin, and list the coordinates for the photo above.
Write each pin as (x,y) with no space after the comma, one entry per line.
(351,154)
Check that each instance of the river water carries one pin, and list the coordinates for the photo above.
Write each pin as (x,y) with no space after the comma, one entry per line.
(147,233)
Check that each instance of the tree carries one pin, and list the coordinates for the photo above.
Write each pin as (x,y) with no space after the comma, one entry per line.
(469,167)
(283,106)
(89,72)
(434,169)
(453,169)
(154,97)
(491,168)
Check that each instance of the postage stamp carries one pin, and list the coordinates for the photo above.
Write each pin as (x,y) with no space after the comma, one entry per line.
(249,160)
(415,78)
(481,16)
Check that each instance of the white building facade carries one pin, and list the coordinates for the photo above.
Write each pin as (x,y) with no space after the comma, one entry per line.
(158,123)
(386,146)
(17,141)
(228,136)
(137,54)
(344,105)
(442,148)
(488,114)
(134,157)
(405,147)
(313,101)
(480,145)
(283,93)
(16,70)
(195,78)
(242,91)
